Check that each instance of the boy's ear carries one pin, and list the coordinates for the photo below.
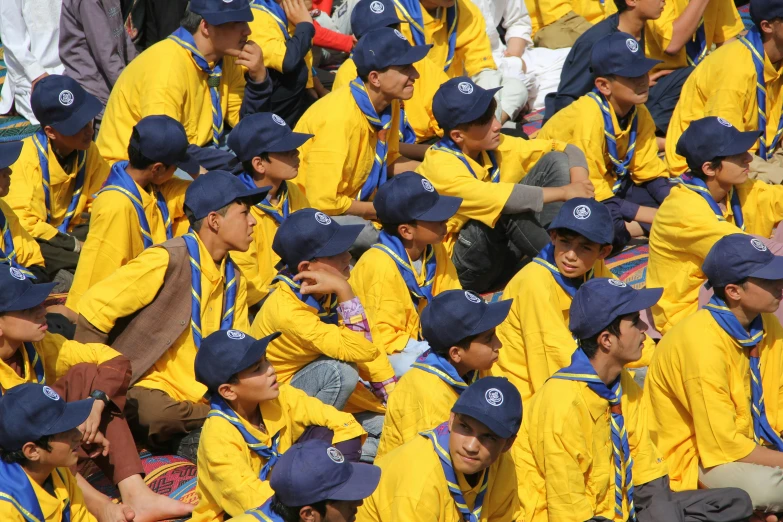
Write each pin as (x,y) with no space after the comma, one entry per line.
(603,85)
(31,451)
(258,165)
(605,251)
(303,266)
(307,514)
(374,78)
(553,235)
(405,231)
(455,354)
(707,170)
(227,392)
(50,133)
(456,136)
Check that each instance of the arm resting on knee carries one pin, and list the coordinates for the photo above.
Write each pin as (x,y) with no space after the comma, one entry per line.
(764,457)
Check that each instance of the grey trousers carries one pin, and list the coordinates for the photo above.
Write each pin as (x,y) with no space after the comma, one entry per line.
(484,256)
(329,380)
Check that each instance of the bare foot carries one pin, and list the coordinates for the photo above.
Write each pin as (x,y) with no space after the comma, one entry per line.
(149,506)
(111,512)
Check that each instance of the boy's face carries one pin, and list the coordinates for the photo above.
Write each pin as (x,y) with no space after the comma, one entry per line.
(79,141)
(25,326)
(482,137)
(62,450)
(628,346)
(734,170)
(473,446)
(482,352)
(428,232)
(648,9)
(397,81)
(339,264)
(5,181)
(575,255)
(257,383)
(627,91)
(760,295)
(231,36)
(281,166)
(236,227)
(161,174)
(342,510)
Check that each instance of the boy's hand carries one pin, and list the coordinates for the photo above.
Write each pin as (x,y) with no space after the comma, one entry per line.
(323,282)
(111,512)
(579,189)
(296,11)
(102,444)
(383,389)
(252,58)
(90,427)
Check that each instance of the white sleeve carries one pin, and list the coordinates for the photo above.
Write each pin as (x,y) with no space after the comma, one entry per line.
(16,38)
(516,21)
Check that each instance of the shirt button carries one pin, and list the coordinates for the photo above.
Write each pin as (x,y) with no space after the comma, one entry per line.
(182,323)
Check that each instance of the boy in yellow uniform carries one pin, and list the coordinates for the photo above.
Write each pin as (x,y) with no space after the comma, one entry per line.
(459,470)
(139,206)
(460,329)
(19,249)
(58,171)
(741,82)
(398,277)
(156,309)
(557,24)
(715,199)
(39,434)
(584,451)
(325,330)
(206,75)
(713,388)
(253,421)
(267,148)
(617,134)
(510,187)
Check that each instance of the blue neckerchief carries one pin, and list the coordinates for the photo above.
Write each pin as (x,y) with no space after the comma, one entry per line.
(411,12)
(219,408)
(265,513)
(8,251)
(120,181)
(581,370)
(392,247)
(35,362)
(447,145)
(327,311)
(274,10)
(546,258)
(696,48)
(728,321)
(185,39)
(407,134)
(17,490)
(620,166)
(42,146)
(381,124)
(698,186)
(439,437)
(753,42)
(229,292)
(433,363)
(266,206)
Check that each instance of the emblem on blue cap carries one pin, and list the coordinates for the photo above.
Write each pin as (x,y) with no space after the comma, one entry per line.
(335,455)
(632,45)
(617,283)
(724,122)
(66,97)
(494,397)
(323,218)
(473,298)
(235,334)
(17,273)
(582,212)
(50,393)
(227,1)
(277,119)
(427,185)
(377,7)
(757,244)
(399,35)
(465,88)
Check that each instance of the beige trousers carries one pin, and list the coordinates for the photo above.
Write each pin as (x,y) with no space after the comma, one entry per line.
(763,484)
(768,171)
(562,33)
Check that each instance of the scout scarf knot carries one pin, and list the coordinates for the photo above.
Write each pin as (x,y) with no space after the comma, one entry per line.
(265,205)
(621,171)
(447,145)
(42,146)
(433,363)
(697,185)
(392,246)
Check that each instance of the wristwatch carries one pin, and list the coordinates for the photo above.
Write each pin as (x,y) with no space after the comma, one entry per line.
(98,395)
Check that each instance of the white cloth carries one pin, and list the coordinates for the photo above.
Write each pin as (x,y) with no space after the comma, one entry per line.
(30,30)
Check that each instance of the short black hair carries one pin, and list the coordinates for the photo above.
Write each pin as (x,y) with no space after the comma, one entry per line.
(393,230)
(247,165)
(590,345)
(190,21)
(195,224)
(17,456)
(291,514)
(478,122)
(365,75)
(136,159)
(697,172)
(570,234)
(720,291)
(622,5)
(464,344)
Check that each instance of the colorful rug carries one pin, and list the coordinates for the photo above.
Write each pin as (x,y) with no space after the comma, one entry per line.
(532,122)
(13,127)
(630,265)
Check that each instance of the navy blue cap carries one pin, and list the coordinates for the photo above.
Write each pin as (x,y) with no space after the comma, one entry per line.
(216,12)
(314,471)
(216,189)
(455,315)
(17,291)
(711,137)
(227,352)
(382,48)
(373,14)
(9,153)
(163,139)
(308,233)
(410,196)
(494,402)
(600,301)
(61,103)
(263,132)
(31,411)
(587,217)
(459,101)
(737,256)
(620,54)
(765,10)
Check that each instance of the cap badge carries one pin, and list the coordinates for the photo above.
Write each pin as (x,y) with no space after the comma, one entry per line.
(227,1)
(724,123)
(335,455)
(235,334)
(427,185)
(465,88)
(617,283)
(323,218)
(632,45)
(50,393)
(757,244)
(16,273)
(582,212)
(494,397)
(377,7)
(400,35)
(66,97)
(277,119)
(473,298)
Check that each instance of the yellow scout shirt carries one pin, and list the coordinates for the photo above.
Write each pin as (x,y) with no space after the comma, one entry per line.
(26,196)
(565,465)
(482,200)
(721,20)
(336,162)
(472,51)
(135,285)
(228,482)
(164,79)
(698,399)
(66,492)
(684,231)
(581,124)
(115,234)
(546,12)
(258,263)
(418,109)
(381,289)
(724,85)
(265,31)
(28,252)
(305,338)
(413,487)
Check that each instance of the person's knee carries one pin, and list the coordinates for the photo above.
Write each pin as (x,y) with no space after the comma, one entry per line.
(339,374)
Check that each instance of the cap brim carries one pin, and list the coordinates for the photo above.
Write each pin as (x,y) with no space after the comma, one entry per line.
(364,479)
(9,153)
(496,313)
(497,427)
(384,22)
(256,195)
(444,209)
(643,300)
(34,296)
(588,234)
(74,414)
(478,108)
(743,143)
(225,17)
(341,241)
(637,69)
(87,112)
(415,53)
(189,164)
(291,142)
(254,353)
(772,272)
